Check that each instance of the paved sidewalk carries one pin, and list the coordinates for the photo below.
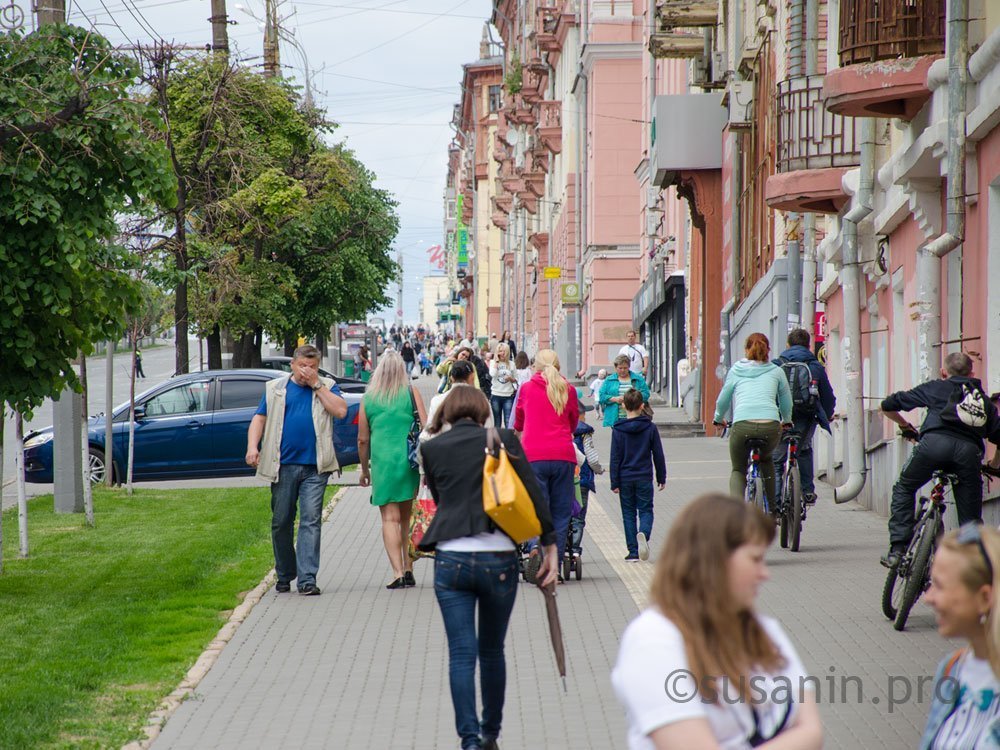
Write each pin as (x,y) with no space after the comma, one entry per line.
(363,667)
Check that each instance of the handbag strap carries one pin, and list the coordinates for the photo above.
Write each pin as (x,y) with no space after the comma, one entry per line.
(493,437)
(413,404)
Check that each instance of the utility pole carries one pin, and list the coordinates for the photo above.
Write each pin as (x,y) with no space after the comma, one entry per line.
(399,294)
(220,34)
(272,64)
(48,12)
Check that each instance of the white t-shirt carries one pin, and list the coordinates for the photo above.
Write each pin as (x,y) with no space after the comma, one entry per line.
(635,354)
(652,662)
(978,707)
(595,388)
(435,404)
(504,378)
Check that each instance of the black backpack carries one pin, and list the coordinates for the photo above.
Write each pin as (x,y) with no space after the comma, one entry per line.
(969,409)
(805,393)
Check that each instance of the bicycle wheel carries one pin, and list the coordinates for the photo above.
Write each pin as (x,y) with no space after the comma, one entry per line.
(793,508)
(920,568)
(758,494)
(784,518)
(891,594)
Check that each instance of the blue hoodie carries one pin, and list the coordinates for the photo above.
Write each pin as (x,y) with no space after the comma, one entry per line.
(636,449)
(760,391)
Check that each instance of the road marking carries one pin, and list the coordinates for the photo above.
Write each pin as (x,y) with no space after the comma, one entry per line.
(609,540)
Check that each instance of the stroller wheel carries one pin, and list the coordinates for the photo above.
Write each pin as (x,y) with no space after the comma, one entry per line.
(567,566)
(579,568)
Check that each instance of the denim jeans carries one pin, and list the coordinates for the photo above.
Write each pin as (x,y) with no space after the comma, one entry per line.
(578,523)
(636,499)
(409,367)
(303,486)
(461,581)
(556,480)
(502,405)
(803,456)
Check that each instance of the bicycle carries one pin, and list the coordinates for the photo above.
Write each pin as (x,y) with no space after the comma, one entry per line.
(754,492)
(791,510)
(914,568)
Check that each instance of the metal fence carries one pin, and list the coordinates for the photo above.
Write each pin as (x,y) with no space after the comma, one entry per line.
(810,137)
(873,30)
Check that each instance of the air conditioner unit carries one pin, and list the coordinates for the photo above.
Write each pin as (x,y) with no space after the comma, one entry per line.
(720,65)
(740,104)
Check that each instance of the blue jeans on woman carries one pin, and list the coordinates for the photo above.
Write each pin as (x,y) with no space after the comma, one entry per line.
(461,581)
(556,480)
(300,485)
(502,405)
(636,500)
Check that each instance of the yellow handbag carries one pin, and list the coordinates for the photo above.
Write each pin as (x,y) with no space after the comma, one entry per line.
(505,500)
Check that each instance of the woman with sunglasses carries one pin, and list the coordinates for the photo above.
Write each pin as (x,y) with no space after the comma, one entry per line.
(965,712)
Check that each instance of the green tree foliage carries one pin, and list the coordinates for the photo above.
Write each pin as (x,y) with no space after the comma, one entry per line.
(73,155)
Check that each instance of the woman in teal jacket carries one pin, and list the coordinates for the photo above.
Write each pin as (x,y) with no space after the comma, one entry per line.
(615,386)
(758,391)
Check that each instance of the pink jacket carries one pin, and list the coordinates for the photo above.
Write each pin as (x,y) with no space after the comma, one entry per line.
(547,436)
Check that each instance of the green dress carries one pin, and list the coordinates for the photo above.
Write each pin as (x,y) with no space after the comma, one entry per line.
(393,481)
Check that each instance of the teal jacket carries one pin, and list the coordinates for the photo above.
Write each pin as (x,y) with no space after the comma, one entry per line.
(760,391)
(610,389)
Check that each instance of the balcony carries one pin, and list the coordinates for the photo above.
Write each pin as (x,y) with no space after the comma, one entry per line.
(550,126)
(546,19)
(686,13)
(814,149)
(521,112)
(499,219)
(536,78)
(886,49)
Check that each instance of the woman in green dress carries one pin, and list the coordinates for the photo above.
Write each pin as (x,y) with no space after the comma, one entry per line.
(383,424)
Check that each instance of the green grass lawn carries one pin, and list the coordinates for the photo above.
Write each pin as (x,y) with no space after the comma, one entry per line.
(98,625)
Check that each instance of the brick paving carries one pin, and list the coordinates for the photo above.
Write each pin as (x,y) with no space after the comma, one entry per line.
(363,667)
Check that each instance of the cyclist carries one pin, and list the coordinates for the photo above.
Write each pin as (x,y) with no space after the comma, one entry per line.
(758,391)
(813,404)
(959,416)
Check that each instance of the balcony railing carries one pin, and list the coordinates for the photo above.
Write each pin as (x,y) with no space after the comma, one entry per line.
(810,137)
(872,30)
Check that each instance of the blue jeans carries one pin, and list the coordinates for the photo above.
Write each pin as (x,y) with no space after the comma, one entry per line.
(502,405)
(636,500)
(803,455)
(304,486)
(461,581)
(578,523)
(556,480)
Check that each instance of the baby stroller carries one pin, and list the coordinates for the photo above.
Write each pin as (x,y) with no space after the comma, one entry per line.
(572,563)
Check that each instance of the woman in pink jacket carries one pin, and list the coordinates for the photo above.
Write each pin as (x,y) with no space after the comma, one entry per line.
(546,414)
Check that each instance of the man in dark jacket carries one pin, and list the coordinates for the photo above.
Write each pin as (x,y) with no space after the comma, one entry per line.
(805,421)
(944,445)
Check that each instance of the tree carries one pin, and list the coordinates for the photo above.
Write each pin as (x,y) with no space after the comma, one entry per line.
(73,155)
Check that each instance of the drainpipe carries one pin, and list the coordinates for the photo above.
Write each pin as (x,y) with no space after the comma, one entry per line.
(929,257)
(583,140)
(850,285)
(808,306)
(796,16)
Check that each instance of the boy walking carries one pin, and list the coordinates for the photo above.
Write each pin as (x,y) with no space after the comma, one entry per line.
(636,451)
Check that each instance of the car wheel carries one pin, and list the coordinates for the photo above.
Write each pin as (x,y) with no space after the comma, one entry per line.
(98,467)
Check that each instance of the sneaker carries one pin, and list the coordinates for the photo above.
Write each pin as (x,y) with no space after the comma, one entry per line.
(631,558)
(531,566)
(310,589)
(891,560)
(643,546)
(809,498)
(282,587)
(490,743)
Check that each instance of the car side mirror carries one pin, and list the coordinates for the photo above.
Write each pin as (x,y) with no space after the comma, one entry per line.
(140,413)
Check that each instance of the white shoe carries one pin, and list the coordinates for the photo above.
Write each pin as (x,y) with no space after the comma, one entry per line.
(643,546)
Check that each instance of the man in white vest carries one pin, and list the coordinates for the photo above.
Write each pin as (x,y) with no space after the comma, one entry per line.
(290,441)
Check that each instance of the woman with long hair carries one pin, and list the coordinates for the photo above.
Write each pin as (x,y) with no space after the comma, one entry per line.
(699,668)
(475,565)
(761,401)
(384,422)
(547,413)
(509,341)
(965,712)
(504,383)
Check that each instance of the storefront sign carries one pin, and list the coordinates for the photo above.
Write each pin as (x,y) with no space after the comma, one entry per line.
(819,327)
(650,296)
(552,272)
(570,295)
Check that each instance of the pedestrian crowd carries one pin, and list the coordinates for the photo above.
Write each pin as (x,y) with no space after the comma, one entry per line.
(501,417)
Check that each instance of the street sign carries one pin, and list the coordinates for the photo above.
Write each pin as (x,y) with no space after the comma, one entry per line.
(570,294)
(819,327)
(552,272)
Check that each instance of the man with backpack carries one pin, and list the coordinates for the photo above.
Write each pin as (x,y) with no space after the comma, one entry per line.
(959,417)
(813,403)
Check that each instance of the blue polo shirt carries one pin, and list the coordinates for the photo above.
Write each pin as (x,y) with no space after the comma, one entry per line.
(298,436)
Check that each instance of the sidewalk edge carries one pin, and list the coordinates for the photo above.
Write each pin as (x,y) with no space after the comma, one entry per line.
(208,657)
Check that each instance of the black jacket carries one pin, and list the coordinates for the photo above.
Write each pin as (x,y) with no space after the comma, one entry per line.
(453,463)
(934,395)
(827,399)
(636,450)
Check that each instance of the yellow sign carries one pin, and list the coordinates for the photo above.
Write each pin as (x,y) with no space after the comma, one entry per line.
(552,272)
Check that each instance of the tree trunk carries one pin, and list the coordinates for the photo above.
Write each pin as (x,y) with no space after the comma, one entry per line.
(88,490)
(246,352)
(214,343)
(181,354)
(291,342)
(321,345)
(22,497)
(131,421)
(3,420)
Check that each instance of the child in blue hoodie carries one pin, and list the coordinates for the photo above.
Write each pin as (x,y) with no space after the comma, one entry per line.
(636,450)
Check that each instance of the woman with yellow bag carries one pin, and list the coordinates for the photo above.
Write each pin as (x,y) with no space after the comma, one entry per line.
(475,562)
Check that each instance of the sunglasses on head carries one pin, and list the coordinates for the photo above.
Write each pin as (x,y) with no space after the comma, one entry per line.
(971,533)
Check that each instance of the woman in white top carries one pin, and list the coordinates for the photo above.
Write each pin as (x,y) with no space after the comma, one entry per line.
(700,669)
(504,379)
(965,712)
(461,373)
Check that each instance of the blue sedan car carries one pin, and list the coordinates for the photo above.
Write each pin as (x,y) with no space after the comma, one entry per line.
(189,427)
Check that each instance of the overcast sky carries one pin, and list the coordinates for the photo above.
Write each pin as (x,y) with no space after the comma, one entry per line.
(389,72)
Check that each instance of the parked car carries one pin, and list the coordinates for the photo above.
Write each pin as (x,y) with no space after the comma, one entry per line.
(347,385)
(189,427)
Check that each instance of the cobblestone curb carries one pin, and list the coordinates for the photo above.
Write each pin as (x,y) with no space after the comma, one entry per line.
(196,674)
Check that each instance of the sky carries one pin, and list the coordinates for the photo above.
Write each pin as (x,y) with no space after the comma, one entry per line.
(388,71)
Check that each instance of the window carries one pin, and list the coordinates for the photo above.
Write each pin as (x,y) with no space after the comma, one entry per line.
(241,394)
(189,398)
(496,96)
